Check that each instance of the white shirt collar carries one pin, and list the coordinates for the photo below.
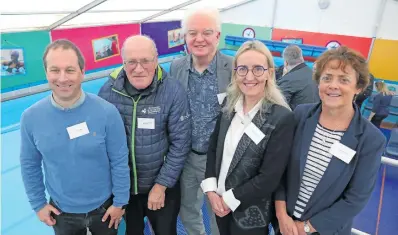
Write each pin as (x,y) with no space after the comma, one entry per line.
(250,115)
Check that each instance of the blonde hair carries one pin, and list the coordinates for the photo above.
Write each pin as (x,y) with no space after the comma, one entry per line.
(382,88)
(272,94)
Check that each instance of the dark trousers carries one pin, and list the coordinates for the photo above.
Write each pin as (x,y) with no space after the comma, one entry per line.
(228,226)
(77,224)
(376,120)
(163,221)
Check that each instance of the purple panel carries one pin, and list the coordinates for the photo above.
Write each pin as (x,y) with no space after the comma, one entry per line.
(158,32)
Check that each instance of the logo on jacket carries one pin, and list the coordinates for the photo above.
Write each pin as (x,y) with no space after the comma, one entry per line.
(151,110)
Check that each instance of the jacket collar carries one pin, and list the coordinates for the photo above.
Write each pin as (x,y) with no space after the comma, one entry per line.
(119,83)
(215,61)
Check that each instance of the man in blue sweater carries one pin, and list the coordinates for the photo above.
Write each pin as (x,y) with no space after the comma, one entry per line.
(79,139)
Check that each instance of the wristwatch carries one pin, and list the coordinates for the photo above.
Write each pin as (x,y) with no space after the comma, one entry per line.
(307,228)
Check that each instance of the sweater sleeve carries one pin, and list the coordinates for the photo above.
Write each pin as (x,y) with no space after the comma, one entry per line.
(116,144)
(31,170)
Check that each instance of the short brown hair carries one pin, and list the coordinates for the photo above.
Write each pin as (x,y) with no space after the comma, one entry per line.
(64,44)
(346,56)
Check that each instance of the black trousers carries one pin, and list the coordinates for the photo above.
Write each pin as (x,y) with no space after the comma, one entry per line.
(163,221)
(228,226)
(77,224)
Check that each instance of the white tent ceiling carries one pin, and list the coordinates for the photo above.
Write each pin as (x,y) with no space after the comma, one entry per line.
(50,14)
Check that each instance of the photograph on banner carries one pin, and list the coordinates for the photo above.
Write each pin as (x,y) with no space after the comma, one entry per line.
(105,47)
(12,61)
(175,38)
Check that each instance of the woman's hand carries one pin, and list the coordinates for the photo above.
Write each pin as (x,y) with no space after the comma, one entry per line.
(287,225)
(217,204)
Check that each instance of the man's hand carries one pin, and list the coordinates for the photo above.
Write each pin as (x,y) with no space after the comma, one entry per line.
(156,197)
(116,214)
(217,204)
(45,214)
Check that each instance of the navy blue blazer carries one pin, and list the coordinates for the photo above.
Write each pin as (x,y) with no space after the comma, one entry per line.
(344,189)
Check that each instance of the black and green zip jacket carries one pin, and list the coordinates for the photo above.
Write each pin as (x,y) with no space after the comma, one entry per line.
(159,148)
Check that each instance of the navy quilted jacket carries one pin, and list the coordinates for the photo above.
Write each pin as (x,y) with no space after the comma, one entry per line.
(157,151)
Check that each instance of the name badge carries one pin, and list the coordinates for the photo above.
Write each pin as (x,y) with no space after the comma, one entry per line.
(342,152)
(254,133)
(146,123)
(77,130)
(221,97)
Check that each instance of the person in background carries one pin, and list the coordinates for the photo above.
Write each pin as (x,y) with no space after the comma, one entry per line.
(336,153)
(84,155)
(246,159)
(279,72)
(205,73)
(297,84)
(381,103)
(155,110)
(361,97)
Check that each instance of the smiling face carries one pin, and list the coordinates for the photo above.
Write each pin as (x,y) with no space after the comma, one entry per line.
(64,74)
(337,85)
(202,36)
(252,73)
(140,62)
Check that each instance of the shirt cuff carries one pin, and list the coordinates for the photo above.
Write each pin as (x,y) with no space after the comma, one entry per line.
(209,185)
(230,200)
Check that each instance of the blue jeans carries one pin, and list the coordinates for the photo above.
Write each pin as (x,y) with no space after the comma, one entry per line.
(77,224)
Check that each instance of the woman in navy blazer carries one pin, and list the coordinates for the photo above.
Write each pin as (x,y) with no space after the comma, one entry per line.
(336,153)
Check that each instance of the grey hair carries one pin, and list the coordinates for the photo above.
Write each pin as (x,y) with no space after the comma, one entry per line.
(139,36)
(65,45)
(272,93)
(212,13)
(293,55)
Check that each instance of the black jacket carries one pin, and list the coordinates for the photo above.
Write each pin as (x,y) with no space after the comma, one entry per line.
(255,170)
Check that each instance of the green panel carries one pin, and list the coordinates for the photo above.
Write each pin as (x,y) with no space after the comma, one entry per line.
(33,45)
(237,30)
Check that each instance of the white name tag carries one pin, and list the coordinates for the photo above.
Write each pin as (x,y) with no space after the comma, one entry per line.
(254,133)
(342,152)
(77,130)
(221,97)
(146,123)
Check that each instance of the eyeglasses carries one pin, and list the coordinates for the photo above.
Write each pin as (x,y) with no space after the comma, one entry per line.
(257,70)
(145,63)
(206,33)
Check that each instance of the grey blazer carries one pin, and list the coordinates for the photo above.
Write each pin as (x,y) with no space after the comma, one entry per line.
(179,69)
(344,189)
(298,87)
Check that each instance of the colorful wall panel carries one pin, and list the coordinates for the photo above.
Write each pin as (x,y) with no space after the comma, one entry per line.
(26,48)
(240,30)
(100,45)
(384,59)
(360,44)
(167,36)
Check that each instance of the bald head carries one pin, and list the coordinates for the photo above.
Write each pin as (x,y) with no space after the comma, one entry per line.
(139,41)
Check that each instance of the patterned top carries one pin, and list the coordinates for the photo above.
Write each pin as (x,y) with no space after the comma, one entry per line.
(318,159)
(202,95)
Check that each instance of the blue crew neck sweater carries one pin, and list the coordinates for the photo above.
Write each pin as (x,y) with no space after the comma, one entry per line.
(80,173)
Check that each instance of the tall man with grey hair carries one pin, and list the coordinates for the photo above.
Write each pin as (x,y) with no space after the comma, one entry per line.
(205,74)
(157,121)
(297,84)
